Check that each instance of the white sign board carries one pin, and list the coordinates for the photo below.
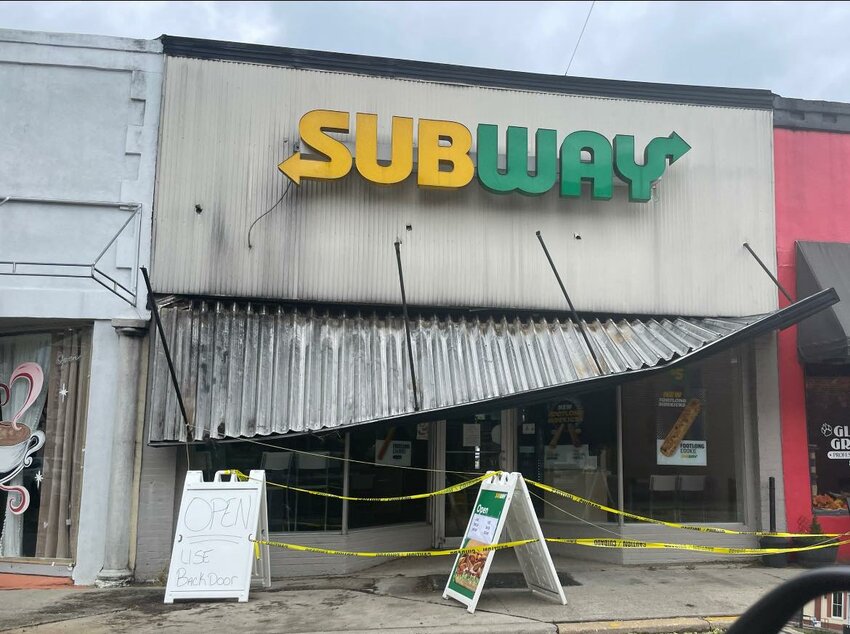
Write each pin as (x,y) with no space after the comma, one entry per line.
(213,556)
(503,503)
(472,434)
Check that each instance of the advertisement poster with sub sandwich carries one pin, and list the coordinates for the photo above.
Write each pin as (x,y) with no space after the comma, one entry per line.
(469,567)
(680,421)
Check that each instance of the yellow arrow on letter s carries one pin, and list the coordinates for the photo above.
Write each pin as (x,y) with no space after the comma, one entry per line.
(313,128)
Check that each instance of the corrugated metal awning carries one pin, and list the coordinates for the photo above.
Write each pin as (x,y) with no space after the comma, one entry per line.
(252,369)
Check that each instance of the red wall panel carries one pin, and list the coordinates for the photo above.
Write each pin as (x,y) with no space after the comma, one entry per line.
(812,186)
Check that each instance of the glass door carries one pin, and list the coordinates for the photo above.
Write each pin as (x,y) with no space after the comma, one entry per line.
(473,446)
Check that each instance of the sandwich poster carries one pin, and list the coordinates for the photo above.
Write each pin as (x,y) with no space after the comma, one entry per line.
(481,532)
(680,421)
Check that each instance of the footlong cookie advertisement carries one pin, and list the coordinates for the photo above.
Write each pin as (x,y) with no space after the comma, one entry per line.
(680,423)
(466,575)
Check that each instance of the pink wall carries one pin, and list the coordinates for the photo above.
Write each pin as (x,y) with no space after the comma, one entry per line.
(812,174)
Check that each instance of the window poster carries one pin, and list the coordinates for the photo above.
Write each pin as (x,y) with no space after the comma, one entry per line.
(566,416)
(393,452)
(828,422)
(472,434)
(680,420)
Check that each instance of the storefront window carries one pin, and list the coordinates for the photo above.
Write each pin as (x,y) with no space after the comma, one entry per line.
(571,444)
(43,393)
(305,462)
(682,432)
(402,449)
(385,462)
(828,422)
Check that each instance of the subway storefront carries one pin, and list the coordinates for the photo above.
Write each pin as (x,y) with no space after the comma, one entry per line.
(356,299)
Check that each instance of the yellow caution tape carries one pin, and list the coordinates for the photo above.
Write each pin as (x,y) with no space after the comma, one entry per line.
(545,487)
(256,550)
(591,542)
(629,543)
(699,529)
(408,553)
(416,496)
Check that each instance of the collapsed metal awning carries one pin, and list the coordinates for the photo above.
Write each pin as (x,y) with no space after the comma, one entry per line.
(250,370)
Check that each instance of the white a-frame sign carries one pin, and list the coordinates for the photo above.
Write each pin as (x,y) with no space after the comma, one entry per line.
(503,505)
(213,556)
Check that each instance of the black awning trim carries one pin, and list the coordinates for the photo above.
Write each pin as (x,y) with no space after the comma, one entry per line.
(176,46)
(824,338)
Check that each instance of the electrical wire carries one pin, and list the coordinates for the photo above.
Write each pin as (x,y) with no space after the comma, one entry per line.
(339,458)
(364,462)
(267,212)
(566,512)
(572,57)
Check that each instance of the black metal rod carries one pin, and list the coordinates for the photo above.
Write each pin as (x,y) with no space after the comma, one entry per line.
(769,274)
(570,302)
(407,325)
(112,279)
(131,300)
(158,322)
(771,498)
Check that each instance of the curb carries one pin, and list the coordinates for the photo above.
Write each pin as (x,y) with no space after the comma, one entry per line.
(650,626)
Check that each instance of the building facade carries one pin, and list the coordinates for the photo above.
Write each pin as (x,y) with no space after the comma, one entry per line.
(828,612)
(812,150)
(284,200)
(77,167)
(293,189)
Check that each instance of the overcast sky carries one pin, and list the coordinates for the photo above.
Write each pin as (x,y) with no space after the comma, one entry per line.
(794,49)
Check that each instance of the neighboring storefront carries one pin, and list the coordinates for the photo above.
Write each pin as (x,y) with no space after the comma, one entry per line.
(77,159)
(276,276)
(828,612)
(812,156)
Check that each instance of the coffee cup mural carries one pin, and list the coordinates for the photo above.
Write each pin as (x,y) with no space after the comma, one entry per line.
(17,441)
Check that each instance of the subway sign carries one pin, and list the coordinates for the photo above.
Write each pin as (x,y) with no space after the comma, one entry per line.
(444,158)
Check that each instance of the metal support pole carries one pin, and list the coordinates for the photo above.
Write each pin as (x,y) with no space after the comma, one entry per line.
(346,484)
(769,274)
(407,325)
(569,301)
(621,493)
(155,312)
(771,496)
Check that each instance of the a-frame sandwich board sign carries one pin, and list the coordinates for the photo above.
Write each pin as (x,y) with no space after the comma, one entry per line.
(213,556)
(503,505)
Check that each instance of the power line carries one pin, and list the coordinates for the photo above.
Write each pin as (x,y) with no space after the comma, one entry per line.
(572,57)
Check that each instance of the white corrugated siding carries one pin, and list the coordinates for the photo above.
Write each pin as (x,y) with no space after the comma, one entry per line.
(250,370)
(226,127)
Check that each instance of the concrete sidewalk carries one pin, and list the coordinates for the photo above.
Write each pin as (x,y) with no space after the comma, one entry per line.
(400,596)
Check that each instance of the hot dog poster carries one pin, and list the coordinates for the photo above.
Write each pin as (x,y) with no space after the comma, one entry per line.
(680,420)
(466,575)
